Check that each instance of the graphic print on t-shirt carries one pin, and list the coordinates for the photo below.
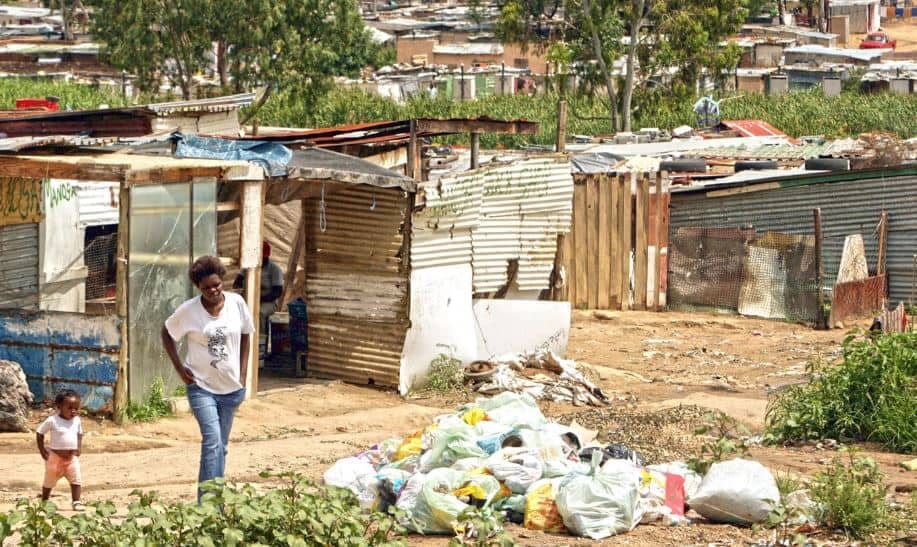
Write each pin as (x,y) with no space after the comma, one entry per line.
(216,346)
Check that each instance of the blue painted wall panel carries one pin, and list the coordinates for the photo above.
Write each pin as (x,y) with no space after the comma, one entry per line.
(63,351)
(88,367)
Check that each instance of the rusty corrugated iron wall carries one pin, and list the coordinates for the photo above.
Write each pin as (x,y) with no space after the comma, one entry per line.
(356,284)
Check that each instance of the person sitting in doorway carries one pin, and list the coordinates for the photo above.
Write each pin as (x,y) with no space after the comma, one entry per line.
(271,290)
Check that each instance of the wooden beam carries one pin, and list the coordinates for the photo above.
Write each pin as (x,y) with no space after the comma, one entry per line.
(592,240)
(445,127)
(12,166)
(293,262)
(640,249)
(883,242)
(820,319)
(614,280)
(120,398)
(657,228)
(604,243)
(627,202)
(413,167)
(581,245)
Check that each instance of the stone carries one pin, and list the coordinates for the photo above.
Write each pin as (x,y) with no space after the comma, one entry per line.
(15,398)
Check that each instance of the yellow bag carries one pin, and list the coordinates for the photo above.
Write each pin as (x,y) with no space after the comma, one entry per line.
(471,489)
(411,446)
(540,510)
(473,416)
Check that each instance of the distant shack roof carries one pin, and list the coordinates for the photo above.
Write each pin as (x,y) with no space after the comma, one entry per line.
(393,131)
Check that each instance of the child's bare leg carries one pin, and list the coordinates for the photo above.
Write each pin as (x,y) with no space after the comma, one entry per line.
(75,491)
(45,494)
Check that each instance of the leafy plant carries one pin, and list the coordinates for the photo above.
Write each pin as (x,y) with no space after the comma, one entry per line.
(851,497)
(481,527)
(725,444)
(445,375)
(787,484)
(296,513)
(870,395)
(154,406)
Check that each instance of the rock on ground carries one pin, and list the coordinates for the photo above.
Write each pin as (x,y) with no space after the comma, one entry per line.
(15,398)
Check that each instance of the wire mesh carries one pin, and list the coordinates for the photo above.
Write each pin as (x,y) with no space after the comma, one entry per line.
(99,258)
(767,274)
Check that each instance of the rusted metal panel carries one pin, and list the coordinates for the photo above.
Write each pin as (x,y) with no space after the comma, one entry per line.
(858,299)
(64,350)
(356,284)
(19,266)
(493,216)
(753,128)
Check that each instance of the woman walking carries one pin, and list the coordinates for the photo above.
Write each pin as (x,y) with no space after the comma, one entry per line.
(218,326)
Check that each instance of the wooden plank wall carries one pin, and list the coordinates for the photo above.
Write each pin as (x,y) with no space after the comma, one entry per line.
(611,254)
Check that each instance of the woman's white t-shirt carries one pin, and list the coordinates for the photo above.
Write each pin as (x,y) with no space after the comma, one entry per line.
(213,342)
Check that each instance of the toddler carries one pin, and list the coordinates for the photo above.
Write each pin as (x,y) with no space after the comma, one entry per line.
(62,455)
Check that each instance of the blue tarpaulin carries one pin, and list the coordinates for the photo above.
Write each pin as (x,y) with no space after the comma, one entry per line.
(273,157)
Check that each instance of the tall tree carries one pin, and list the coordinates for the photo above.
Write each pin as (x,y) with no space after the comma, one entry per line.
(290,44)
(680,38)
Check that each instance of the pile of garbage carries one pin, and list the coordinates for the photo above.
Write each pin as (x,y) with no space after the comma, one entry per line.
(542,375)
(503,453)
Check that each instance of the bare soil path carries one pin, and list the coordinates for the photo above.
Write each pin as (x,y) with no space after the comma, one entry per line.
(663,368)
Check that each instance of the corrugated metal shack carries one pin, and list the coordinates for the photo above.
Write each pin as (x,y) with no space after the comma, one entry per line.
(850,202)
(44,327)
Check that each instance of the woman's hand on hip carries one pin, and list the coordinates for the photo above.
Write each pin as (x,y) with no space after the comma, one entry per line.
(186,376)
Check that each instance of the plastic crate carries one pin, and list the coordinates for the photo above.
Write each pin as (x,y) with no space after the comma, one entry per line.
(299,325)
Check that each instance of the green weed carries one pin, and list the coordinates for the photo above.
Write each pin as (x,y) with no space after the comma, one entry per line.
(851,496)
(481,527)
(787,484)
(870,396)
(295,513)
(154,406)
(445,374)
(726,442)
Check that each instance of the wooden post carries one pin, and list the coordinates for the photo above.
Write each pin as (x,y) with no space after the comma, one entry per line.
(290,275)
(640,249)
(413,152)
(121,396)
(820,319)
(883,242)
(561,143)
(250,262)
(558,290)
(657,276)
(475,149)
(581,247)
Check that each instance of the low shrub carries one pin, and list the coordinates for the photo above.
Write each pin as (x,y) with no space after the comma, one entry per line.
(871,395)
(156,405)
(851,497)
(298,513)
(445,375)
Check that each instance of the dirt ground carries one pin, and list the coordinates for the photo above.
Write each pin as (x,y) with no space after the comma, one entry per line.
(663,369)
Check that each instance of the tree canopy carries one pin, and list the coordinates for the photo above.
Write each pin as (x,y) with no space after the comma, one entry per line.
(292,44)
(670,42)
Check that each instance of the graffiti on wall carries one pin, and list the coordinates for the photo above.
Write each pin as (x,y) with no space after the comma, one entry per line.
(20,200)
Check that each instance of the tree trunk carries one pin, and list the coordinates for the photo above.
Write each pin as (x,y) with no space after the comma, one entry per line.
(222,65)
(630,77)
(781,10)
(66,20)
(603,67)
(261,101)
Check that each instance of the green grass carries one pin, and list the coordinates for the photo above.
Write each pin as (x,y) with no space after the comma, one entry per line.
(153,407)
(871,395)
(851,497)
(75,96)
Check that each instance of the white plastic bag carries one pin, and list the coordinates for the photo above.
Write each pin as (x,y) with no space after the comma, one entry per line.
(436,509)
(358,476)
(602,503)
(513,410)
(736,492)
(518,469)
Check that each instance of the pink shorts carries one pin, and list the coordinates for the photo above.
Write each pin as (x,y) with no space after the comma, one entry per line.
(57,467)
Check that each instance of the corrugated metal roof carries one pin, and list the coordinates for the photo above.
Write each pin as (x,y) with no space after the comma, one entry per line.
(470,48)
(494,215)
(98,203)
(754,128)
(813,49)
(850,203)
(215,104)
(19,266)
(780,152)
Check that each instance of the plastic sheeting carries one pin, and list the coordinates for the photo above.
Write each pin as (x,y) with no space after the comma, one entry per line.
(272,157)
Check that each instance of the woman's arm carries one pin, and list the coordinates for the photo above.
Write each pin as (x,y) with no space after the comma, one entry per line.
(244,346)
(168,344)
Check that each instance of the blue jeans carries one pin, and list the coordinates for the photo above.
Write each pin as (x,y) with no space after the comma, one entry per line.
(214,414)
